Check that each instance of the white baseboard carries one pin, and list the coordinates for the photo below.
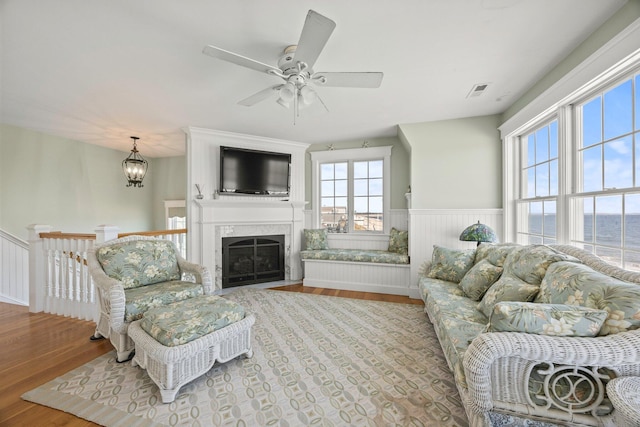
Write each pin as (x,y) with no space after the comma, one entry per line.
(9,300)
(354,286)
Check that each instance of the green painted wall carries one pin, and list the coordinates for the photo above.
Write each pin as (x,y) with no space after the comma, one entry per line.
(614,25)
(400,166)
(455,164)
(67,184)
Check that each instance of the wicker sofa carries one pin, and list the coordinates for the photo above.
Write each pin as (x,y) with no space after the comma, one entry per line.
(135,273)
(533,334)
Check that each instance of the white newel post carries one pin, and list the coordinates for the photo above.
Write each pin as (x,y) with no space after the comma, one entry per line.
(36,267)
(106,232)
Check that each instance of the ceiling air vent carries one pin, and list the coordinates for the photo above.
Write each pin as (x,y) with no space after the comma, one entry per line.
(477,90)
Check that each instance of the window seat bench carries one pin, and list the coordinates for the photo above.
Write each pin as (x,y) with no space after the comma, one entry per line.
(356,255)
(362,270)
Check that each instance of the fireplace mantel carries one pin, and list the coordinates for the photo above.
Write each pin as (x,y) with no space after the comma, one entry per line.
(221,215)
(235,209)
(219,218)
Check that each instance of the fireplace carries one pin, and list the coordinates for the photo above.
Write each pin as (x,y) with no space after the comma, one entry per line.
(248,260)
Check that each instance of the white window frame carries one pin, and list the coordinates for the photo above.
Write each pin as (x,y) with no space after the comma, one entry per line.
(568,219)
(352,155)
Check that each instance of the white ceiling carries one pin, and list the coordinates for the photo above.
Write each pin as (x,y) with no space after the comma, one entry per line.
(101,71)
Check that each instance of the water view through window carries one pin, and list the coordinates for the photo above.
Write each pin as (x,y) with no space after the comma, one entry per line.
(601,196)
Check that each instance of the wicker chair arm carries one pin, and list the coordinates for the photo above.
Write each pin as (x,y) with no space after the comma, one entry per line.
(488,348)
(201,273)
(110,292)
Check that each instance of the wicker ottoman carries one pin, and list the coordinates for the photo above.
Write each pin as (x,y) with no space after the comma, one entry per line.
(624,393)
(197,338)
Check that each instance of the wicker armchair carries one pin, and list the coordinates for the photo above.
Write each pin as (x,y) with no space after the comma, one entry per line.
(149,272)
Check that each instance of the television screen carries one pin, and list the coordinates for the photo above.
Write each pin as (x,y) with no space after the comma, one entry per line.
(245,171)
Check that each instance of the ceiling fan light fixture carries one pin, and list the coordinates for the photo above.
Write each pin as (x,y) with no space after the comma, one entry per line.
(307,96)
(282,102)
(287,92)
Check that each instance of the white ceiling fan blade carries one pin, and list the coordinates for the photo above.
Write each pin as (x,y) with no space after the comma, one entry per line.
(260,96)
(356,79)
(315,33)
(234,58)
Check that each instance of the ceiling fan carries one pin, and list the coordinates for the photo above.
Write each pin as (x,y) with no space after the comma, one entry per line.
(295,68)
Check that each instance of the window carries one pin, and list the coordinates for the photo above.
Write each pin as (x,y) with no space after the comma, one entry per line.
(351,189)
(574,177)
(606,203)
(539,186)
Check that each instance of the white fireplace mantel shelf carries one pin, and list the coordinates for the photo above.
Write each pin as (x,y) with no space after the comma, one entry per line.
(239,202)
(241,211)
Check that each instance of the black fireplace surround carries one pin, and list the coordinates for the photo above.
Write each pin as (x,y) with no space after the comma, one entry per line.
(250,260)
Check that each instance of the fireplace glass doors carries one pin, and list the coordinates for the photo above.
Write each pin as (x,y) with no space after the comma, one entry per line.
(249,260)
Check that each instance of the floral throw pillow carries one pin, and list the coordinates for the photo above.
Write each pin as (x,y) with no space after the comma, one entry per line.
(546,319)
(316,239)
(480,278)
(398,241)
(579,285)
(450,264)
(507,288)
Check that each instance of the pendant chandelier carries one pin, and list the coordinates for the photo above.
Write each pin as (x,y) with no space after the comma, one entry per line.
(134,166)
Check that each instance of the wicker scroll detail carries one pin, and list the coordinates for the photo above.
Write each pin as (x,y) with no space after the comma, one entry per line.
(569,388)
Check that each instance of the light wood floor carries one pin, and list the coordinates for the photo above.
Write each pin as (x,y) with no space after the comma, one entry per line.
(36,348)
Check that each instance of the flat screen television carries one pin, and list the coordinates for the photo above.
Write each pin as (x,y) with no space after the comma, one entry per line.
(245,171)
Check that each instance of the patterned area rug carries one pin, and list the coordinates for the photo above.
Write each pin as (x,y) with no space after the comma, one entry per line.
(317,360)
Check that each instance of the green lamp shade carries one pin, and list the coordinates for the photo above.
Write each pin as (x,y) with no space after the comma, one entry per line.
(478,233)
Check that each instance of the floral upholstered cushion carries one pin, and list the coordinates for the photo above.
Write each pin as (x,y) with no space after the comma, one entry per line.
(184,321)
(546,319)
(507,289)
(495,253)
(477,280)
(577,284)
(139,263)
(316,239)
(450,264)
(398,241)
(141,299)
(524,268)
(357,255)
(530,263)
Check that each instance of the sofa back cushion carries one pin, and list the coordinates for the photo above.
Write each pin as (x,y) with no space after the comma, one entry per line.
(546,319)
(450,264)
(524,268)
(578,284)
(480,278)
(495,253)
(139,262)
(530,262)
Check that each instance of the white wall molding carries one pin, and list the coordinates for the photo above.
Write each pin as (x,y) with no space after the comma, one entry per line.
(14,269)
(442,227)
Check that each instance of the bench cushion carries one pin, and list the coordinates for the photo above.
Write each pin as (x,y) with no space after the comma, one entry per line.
(139,300)
(139,263)
(356,255)
(184,321)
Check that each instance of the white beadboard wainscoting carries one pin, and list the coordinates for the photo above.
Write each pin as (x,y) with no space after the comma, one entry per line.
(442,227)
(14,269)
(360,276)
